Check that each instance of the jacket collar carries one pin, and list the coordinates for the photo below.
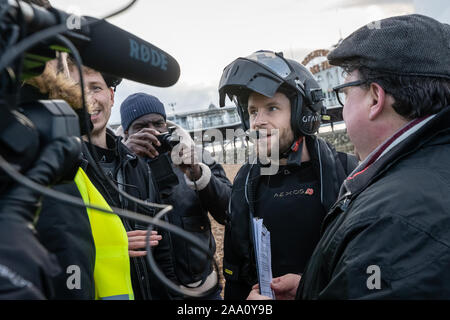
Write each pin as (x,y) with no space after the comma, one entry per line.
(324,165)
(407,140)
(121,150)
(295,155)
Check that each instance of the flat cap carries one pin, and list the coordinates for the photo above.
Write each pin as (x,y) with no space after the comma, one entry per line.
(404,45)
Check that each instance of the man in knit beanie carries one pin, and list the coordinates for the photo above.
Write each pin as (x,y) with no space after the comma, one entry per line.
(151,110)
(202,187)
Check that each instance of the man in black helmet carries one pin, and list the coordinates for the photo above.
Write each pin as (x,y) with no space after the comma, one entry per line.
(281,100)
(387,236)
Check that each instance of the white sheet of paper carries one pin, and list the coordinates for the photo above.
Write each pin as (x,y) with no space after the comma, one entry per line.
(263,257)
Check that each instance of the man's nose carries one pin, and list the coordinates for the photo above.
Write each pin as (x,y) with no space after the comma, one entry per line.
(150,125)
(259,120)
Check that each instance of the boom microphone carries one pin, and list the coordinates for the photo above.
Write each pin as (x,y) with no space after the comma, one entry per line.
(104,46)
(120,53)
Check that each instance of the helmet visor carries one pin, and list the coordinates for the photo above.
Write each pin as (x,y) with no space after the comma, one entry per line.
(272,61)
(262,72)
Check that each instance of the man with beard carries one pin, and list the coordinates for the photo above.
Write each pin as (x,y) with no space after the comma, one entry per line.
(279,99)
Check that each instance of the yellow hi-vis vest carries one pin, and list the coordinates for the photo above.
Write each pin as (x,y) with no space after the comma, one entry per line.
(112,263)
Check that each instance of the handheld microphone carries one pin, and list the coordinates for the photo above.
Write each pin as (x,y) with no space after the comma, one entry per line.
(104,46)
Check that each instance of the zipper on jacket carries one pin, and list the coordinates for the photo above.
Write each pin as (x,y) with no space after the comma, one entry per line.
(320,168)
(345,204)
(137,265)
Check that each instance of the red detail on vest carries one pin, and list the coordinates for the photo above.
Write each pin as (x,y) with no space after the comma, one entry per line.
(297,144)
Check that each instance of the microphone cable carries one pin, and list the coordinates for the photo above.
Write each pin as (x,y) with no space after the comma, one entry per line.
(77,202)
(185,291)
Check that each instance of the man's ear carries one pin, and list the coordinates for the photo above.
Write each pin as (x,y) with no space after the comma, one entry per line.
(378,96)
(112,96)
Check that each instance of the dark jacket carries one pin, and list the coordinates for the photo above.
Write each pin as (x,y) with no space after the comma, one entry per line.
(27,268)
(64,231)
(391,222)
(239,263)
(190,212)
(69,236)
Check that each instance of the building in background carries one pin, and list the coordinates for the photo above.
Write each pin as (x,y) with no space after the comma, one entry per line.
(213,117)
(198,123)
(209,127)
(327,76)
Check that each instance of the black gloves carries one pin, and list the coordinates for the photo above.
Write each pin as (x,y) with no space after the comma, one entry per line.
(57,162)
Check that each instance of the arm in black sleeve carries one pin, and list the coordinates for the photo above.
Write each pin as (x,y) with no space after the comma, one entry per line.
(163,251)
(163,254)
(238,261)
(26,267)
(216,195)
(377,263)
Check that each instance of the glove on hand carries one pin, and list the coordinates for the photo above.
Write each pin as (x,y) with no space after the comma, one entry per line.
(58,162)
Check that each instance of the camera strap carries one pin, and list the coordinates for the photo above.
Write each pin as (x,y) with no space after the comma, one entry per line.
(251,185)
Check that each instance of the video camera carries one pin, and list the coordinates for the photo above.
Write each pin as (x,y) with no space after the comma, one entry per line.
(30,37)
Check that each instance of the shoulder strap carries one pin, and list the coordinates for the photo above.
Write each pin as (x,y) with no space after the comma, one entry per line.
(163,174)
(251,185)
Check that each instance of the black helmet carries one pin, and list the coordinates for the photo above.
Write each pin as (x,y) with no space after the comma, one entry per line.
(111,81)
(267,72)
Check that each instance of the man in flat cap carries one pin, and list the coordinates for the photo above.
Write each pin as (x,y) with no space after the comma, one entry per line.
(388,234)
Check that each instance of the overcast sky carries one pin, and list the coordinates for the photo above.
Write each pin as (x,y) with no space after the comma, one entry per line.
(206,35)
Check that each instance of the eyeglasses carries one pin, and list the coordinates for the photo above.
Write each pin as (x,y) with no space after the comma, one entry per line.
(341,96)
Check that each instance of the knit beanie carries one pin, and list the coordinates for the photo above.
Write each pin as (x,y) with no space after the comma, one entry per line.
(138,105)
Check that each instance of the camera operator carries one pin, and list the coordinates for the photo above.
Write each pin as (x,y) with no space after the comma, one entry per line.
(192,187)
